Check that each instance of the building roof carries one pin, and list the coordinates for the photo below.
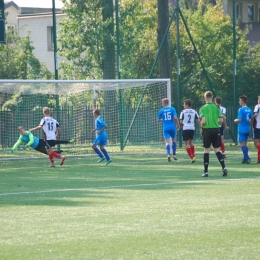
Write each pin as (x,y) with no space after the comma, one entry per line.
(35,3)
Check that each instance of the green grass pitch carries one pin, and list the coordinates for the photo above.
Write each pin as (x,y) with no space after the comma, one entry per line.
(138,207)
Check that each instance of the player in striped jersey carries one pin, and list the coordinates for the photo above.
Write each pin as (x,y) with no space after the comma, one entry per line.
(256,129)
(187,120)
(51,130)
(224,126)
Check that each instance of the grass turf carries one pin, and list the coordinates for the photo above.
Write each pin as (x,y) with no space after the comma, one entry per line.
(138,207)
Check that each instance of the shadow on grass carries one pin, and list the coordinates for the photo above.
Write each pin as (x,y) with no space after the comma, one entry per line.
(82,180)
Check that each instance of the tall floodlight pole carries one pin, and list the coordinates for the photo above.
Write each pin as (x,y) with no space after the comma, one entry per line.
(55,40)
(178,62)
(234,63)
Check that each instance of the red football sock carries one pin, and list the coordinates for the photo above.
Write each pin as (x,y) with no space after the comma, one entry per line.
(193,150)
(56,155)
(189,152)
(51,158)
(222,147)
(258,152)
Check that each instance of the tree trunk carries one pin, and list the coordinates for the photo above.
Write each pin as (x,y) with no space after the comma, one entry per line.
(165,69)
(109,45)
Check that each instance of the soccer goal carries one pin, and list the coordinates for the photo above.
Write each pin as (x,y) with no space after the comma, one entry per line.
(129,108)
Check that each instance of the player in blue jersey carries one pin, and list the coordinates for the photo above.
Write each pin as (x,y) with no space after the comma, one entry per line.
(101,138)
(168,116)
(33,141)
(243,119)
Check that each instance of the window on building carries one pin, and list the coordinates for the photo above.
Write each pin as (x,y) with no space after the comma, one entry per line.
(251,12)
(50,38)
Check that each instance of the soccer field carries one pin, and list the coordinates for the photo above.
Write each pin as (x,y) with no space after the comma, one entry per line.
(138,207)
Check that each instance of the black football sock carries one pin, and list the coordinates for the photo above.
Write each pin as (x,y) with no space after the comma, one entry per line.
(221,159)
(206,162)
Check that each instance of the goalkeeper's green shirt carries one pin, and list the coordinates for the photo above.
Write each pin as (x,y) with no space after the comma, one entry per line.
(212,113)
(28,138)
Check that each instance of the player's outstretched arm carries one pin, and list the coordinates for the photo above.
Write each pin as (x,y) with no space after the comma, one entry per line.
(16,145)
(35,128)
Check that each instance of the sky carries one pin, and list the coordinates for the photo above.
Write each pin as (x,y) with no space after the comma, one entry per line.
(36,3)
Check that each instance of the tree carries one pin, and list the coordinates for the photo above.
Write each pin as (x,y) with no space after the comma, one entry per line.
(138,38)
(212,32)
(165,69)
(86,39)
(18,60)
(193,4)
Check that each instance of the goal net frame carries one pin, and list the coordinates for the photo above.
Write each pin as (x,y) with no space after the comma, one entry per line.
(19,90)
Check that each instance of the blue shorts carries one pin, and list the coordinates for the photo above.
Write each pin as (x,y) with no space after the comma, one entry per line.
(100,141)
(242,137)
(169,134)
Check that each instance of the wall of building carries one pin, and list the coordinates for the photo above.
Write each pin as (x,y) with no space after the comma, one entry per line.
(40,33)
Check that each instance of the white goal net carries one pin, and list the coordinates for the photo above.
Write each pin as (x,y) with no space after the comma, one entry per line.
(129,107)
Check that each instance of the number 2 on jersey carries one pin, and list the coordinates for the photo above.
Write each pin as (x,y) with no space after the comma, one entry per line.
(189,120)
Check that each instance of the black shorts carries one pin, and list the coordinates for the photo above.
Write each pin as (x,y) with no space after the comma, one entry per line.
(187,135)
(212,137)
(41,146)
(222,130)
(50,143)
(256,133)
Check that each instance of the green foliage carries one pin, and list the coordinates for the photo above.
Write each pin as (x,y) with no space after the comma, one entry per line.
(251,68)
(82,38)
(18,60)
(138,28)
(212,33)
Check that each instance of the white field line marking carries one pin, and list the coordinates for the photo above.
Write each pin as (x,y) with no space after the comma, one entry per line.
(124,186)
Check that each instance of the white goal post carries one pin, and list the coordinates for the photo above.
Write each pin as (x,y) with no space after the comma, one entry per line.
(129,107)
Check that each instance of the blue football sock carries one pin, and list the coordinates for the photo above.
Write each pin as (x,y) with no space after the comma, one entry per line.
(98,152)
(174,147)
(245,152)
(104,151)
(168,149)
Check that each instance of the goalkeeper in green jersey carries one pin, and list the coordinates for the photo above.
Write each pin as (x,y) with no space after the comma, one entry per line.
(33,141)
